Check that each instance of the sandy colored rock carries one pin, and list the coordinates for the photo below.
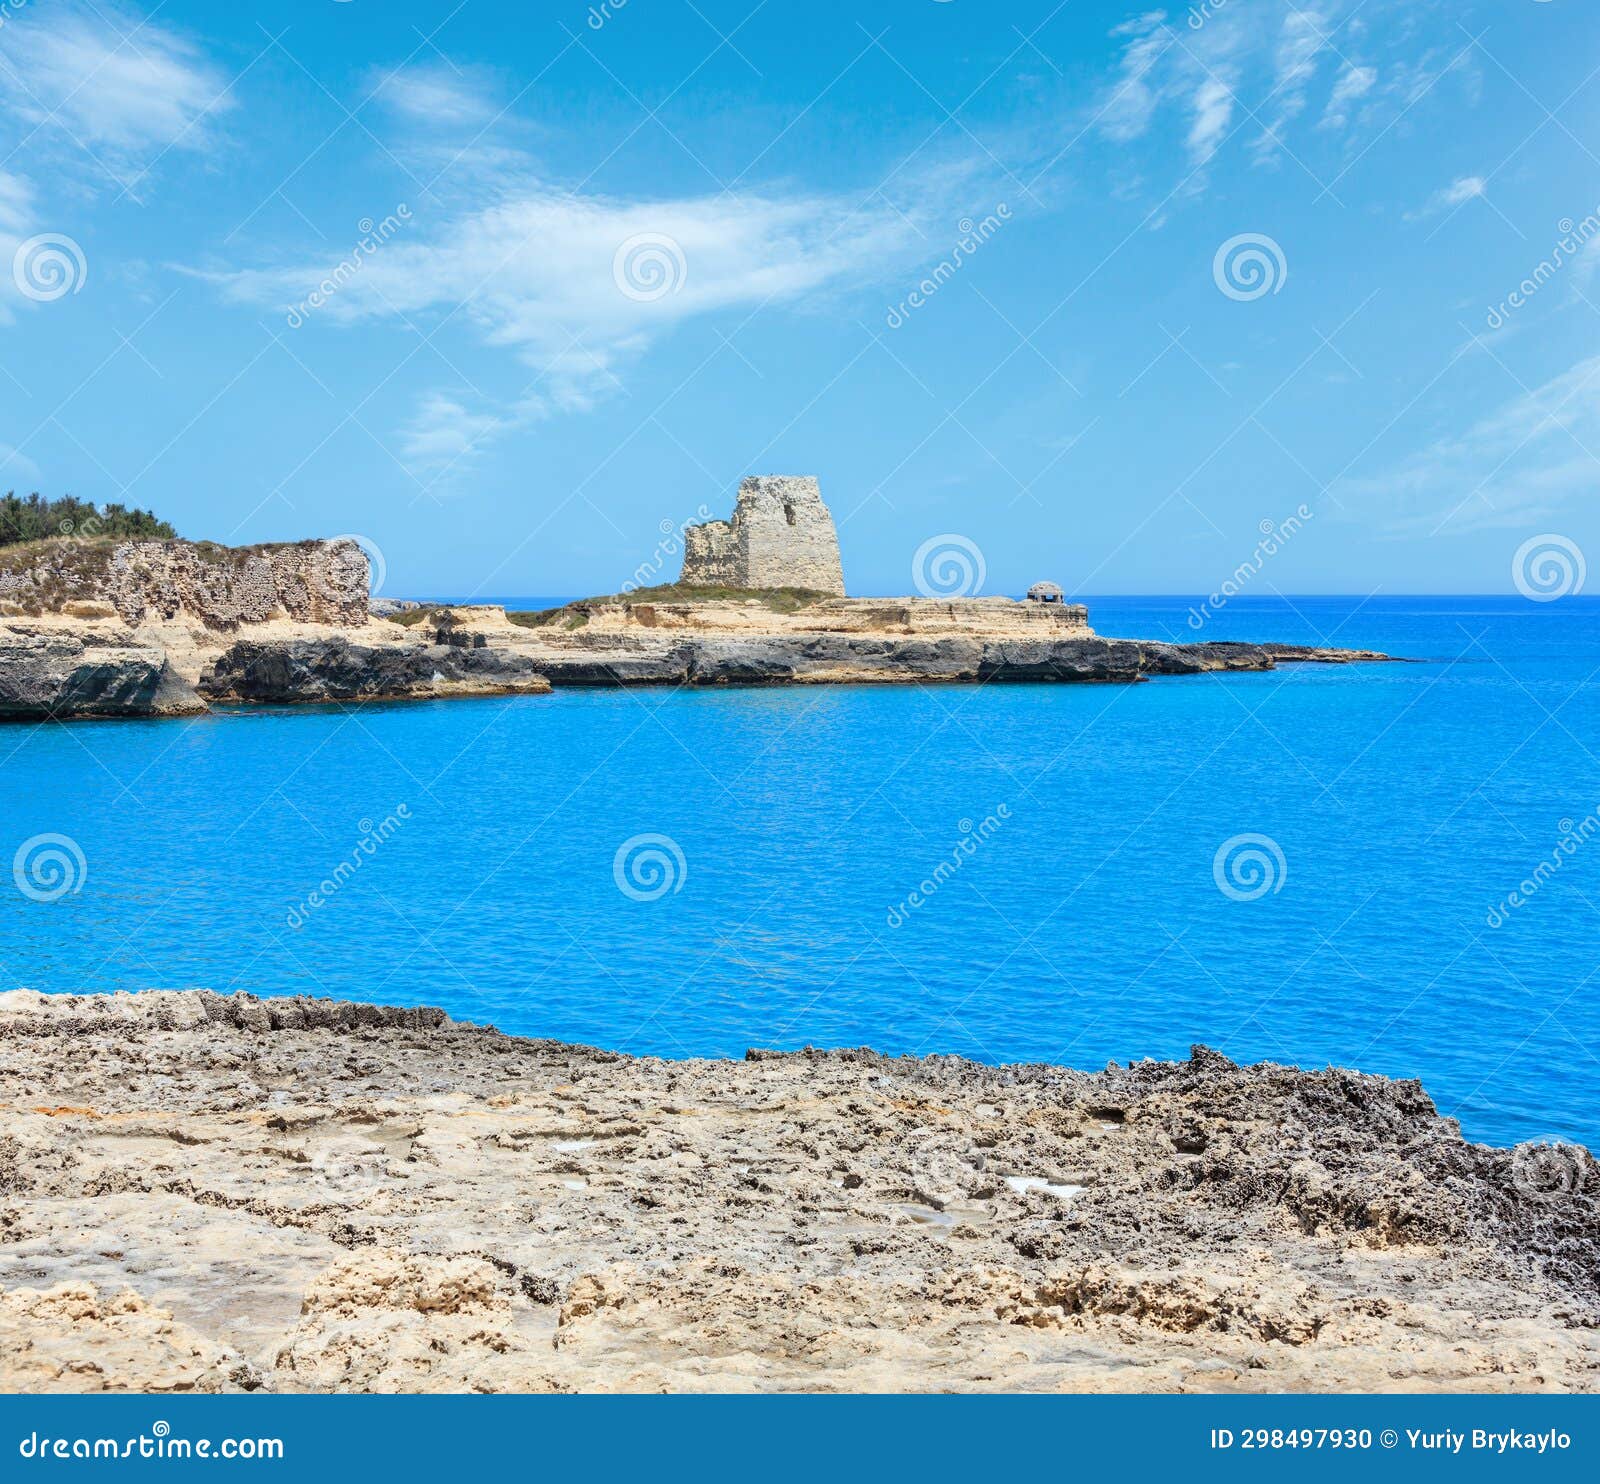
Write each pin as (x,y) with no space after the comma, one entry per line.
(314,1195)
(161,628)
(781,535)
(221,587)
(74,1337)
(647,641)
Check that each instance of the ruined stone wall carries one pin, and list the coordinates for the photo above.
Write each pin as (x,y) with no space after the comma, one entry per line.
(222,587)
(781,535)
(711,552)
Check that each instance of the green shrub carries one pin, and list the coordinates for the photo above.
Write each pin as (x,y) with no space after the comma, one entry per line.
(38,519)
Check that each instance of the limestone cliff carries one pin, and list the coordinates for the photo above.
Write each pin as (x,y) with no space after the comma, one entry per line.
(781,535)
(222,587)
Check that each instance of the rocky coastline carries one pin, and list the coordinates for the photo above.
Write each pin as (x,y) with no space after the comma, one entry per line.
(206,1192)
(145,629)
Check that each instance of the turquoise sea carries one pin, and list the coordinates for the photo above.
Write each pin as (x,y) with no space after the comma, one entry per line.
(1004,872)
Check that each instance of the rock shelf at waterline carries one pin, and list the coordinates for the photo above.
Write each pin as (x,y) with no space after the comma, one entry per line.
(295,1194)
(118,632)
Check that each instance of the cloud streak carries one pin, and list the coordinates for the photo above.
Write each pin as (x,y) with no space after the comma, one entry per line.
(113,89)
(1261,63)
(577,287)
(1532,456)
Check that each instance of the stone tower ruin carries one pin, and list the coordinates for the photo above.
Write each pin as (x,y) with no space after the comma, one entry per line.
(781,535)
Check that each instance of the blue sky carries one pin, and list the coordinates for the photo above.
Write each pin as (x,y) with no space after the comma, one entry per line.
(587,266)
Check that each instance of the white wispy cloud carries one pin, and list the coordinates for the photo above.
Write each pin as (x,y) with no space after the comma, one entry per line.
(109,88)
(579,286)
(1265,66)
(1131,97)
(17,471)
(1462,189)
(1302,38)
(1532,456)
(437,96)
(1353,84)
(444,435)
(1586,265)
(1213,109)
(17,223)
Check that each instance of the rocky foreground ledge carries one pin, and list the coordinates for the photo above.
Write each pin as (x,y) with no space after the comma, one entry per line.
(207,1192)
(93,664)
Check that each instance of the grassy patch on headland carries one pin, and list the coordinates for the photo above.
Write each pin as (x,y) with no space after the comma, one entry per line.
(574,615)
(409,617)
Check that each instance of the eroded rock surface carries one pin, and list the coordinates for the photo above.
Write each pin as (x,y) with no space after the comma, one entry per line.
(337,669)
(150,628)
(220,587)
(61,674)
(218,1192)
(871,640)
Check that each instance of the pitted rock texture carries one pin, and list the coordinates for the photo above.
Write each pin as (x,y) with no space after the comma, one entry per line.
(335,669)
(781,535)
(209,1192)
(220,587)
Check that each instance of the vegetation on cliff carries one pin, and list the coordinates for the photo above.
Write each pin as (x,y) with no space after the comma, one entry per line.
(777,599)
(39,519)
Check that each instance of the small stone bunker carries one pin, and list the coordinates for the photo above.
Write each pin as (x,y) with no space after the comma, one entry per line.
(781,535)
(1046,592)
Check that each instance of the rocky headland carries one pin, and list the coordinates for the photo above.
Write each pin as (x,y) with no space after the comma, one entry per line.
(152,628)
(166,628)
(201,1192)
(757,640)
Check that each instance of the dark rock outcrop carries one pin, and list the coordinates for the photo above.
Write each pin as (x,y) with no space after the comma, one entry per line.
(59,676)
(783,659)
(334,669)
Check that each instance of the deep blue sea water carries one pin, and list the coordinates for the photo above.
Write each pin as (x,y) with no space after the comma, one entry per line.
(1087,923)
